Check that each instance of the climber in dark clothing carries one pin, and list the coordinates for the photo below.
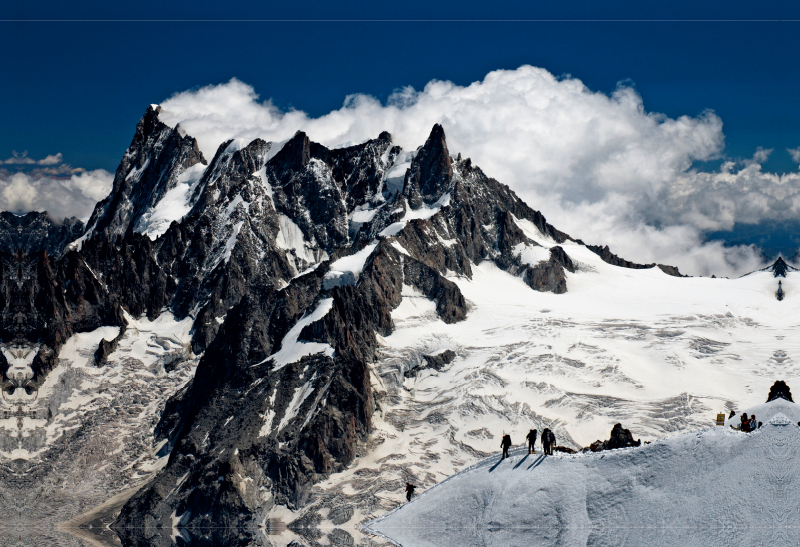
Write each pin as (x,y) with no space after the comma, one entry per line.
(505,444)
(552,443)
(531,436)
(745,421)
(546,441)
(409,491)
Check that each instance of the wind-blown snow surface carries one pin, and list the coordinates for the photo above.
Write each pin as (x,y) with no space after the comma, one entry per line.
(712,487)
(660,354)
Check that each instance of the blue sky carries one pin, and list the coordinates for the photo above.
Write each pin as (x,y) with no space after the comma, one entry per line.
(78,88)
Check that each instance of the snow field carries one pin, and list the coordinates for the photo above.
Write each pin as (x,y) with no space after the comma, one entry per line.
(657,353)
(709,487)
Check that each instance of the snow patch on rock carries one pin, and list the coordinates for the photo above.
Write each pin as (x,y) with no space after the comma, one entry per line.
(292,349)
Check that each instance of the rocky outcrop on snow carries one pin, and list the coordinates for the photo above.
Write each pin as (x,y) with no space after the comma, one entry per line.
(620,438)
(779,268)
(435,362)
(779,390)
(549,276)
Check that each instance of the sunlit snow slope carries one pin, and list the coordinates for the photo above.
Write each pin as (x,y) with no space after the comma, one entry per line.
(659,354)
(712,487)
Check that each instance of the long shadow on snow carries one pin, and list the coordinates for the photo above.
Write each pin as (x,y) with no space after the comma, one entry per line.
(537,462)
(521,461)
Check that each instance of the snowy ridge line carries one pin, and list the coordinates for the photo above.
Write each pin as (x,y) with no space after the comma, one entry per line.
(521,451)
(477,465)
(584,496)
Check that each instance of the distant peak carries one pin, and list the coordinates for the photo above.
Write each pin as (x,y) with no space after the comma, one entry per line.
(779,390)
(779,268)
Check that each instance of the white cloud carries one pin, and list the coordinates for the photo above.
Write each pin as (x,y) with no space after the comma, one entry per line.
(19,194)
(795,153)
(61,196)
(600,167)
(19,158)
(51,160)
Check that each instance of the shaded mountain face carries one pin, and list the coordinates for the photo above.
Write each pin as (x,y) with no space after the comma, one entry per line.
(288,260)
(35,231)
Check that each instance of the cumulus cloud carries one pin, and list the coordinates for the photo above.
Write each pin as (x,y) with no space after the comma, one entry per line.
(599,166)
(51,160)
(60,195)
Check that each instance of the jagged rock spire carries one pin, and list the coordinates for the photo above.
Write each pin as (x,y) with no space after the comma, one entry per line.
(155,159)
(294,155)
(431,171)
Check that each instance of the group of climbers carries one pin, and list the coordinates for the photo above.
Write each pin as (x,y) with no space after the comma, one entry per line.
(621,437)
(548,442)
(746,424)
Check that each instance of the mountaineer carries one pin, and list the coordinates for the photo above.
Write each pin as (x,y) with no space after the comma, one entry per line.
(546,441)
(531,437)
(505,444)
(744,422)
(551,441)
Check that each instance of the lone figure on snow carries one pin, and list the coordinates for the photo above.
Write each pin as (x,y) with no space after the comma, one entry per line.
(505,444)
(409,491)
(531,436)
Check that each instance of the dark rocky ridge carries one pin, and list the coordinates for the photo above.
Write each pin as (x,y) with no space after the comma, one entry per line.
(610,258)
(247,263)
(36,231)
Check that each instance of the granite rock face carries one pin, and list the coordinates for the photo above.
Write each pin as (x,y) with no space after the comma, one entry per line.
(288,260)
(151,167)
